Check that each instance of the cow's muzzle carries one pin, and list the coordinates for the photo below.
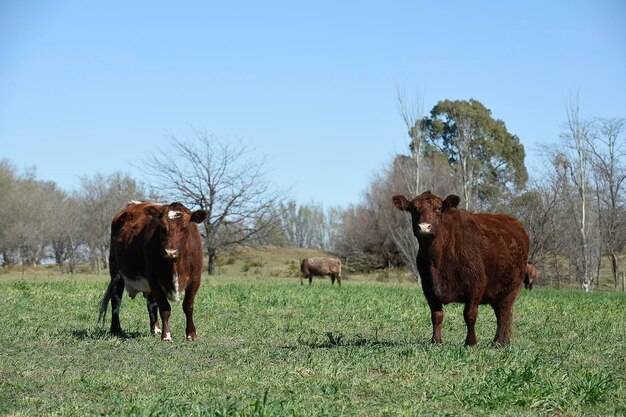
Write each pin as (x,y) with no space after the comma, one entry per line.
(425,229)
(171,254)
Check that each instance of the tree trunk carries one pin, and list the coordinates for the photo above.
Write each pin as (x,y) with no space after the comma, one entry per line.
(212,256)
(614,267)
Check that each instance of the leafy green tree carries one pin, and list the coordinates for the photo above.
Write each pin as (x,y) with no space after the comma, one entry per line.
(488,159)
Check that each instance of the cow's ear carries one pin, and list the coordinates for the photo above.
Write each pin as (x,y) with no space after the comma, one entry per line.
(151,211)
(400,202)
(451,201)
(198,216)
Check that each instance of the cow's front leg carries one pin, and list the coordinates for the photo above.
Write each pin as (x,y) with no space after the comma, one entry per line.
(153,314)
(165,310)
(436,316)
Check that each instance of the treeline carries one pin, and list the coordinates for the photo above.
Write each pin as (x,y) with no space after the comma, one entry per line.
(573,206)
(41,222)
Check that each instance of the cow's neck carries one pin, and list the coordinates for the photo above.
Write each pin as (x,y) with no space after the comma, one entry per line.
(427,257)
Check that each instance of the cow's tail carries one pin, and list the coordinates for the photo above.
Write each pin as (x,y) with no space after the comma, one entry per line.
(104,302)
(527,279)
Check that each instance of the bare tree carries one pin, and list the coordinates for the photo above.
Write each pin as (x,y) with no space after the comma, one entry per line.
(607,153)
(391,182)
(8,212)
(102,196)
(412,114)
(576,163)
(535,209)
(67,233)
(223,179)
(361,239)
(404,177)
(27,215)
(305,226)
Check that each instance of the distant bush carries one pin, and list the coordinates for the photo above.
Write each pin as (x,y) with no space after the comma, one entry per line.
(293,268)
(252,263)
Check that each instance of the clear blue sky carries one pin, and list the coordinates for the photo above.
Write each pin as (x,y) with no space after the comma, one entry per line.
(90,87)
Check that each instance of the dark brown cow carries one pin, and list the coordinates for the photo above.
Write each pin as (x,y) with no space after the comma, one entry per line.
(531,275)
(320,266)
(471,258)
(155,250)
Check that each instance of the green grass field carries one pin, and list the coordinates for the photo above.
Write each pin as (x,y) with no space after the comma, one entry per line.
(269,347)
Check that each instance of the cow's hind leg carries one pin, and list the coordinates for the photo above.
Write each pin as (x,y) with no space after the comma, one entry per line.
(153,313)
(117,291)
(504,318)
(190,295)
(332,279)
(470,314)
(310,279)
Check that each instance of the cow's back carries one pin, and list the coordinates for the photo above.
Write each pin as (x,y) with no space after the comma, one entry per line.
(318,265)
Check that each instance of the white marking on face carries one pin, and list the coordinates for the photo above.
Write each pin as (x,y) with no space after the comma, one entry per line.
(173,214)
(425,227)
(168,337)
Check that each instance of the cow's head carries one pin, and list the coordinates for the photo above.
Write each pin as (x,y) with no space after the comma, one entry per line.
(531,275)
(173,222)
(426,210)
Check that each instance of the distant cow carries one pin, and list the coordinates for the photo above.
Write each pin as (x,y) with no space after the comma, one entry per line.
(155,250)
(471,258)
(320,266)
(531,275)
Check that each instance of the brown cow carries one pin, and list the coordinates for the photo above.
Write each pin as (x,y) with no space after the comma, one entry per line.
(471,258)
(155,250)
(320,266)
(531,275)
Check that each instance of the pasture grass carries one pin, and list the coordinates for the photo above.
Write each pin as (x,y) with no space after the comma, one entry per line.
(269,347)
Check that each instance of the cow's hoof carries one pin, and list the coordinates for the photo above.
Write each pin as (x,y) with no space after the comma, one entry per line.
(191,338)
(167,337)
